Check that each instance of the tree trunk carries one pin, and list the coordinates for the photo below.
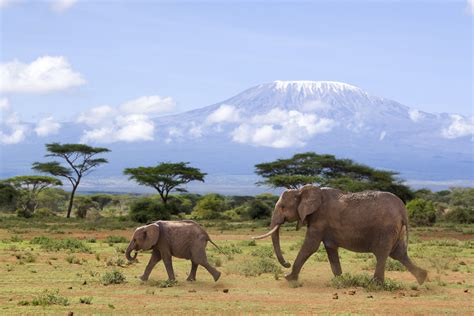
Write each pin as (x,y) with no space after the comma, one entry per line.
(71,200)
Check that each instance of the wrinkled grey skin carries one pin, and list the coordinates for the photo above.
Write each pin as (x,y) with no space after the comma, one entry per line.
(182,239)
(369,221)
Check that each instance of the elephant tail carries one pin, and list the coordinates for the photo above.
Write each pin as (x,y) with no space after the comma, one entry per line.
(214,244)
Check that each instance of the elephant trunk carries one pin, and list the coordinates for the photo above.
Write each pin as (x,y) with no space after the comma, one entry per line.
(276,245)
(131,247)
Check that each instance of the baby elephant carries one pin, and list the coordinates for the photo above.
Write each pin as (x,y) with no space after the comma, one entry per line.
(183,239)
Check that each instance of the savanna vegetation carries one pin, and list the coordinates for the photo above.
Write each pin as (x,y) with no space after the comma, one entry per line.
(78,241)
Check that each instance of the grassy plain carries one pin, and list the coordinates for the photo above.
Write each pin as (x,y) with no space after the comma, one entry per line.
(67,269)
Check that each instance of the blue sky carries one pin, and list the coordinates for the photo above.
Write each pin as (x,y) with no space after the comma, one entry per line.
(418,53)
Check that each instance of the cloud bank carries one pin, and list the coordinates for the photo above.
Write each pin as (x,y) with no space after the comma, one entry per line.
(43,75)
(460,126)
(129,122)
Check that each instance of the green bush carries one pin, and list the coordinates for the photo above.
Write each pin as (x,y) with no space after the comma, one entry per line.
(257,267)
(25,213)
(460,215)
(210,206)
(145,210)
(115,240)
(72,244)
(258,209)
(86,300)
(364,280)
(114,277)
(50,298)
(44,212)
(421,212)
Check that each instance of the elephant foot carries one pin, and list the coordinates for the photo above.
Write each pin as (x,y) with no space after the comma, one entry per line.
(291,277)
(421,276)
(191,279)
(216,276)
(377,280)
(143,278)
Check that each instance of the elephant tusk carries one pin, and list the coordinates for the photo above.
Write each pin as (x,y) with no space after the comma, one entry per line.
(267,234)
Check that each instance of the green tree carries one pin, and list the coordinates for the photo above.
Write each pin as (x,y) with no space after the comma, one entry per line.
(8,197)
(102,200)
(83,205)
(327,170)
(79,160)
(165,177)
(146,209)
(53,199)
(29,188)
(421,212)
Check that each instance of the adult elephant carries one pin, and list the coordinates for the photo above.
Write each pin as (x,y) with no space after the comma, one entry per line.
(369,221)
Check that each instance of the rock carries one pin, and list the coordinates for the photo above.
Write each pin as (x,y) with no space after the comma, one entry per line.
(225,290)
(335,296)
(352,292)
(69,288)
(466,290)
(84,283)
(192,291)
(370,296)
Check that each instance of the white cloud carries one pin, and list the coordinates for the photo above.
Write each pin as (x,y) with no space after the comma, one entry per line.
(281,129)
(196,131)
(62,5)
(97,115)
(47,126)
(470,7)
(149,105)
(224,114)
(415,115)
(6,3)
(129,122)
(126,128)
(382,135)
(45,74)
(12,131)
(460,126)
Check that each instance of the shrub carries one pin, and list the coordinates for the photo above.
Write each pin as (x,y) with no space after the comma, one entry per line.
(86,300)
(167,283)
(257,267)
(115,240)
(83,204)
(44,212)
(364,280)
(421,212)
(25,213)
(50,298)
(146,209)
(114,277)
(73,260)
(210,206)
(263,252)
(460,215)
(71,244)
(258,209)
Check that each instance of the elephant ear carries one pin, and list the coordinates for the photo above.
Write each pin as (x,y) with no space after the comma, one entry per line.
(310,201)
(151,235)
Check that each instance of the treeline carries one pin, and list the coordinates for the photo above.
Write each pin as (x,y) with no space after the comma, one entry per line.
(39,195)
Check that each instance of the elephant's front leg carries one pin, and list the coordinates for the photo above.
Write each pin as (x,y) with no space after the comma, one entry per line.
(169,266)
(155,257)
(310,246)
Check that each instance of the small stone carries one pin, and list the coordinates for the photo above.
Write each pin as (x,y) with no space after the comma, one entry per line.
(466,290)
(370,296)
(84,283)
(335,296)
(352,292)
(225,290)
(192,291)
(69,288)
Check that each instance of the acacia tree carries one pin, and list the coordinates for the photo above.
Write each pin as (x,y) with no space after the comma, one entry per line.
(165,177)
(327,170)
(79,160)
(29,188)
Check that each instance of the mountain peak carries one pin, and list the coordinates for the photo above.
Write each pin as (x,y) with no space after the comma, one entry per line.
(300,85)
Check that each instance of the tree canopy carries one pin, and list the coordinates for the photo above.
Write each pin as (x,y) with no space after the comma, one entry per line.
(29,187)
(327,170)
(79,160)
(165,177)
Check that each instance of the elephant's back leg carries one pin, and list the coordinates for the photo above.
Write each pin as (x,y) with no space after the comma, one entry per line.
(199,256)
(400,253)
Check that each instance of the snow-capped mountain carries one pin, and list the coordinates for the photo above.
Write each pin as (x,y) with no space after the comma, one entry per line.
(275,120)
